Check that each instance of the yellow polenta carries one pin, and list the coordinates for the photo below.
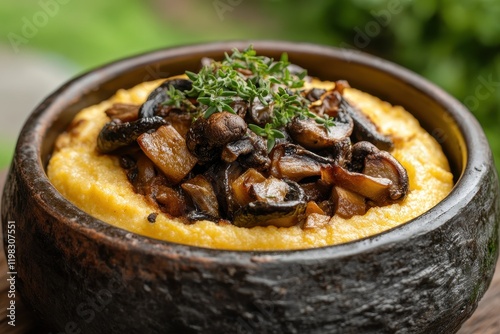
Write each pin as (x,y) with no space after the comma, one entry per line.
(98,185)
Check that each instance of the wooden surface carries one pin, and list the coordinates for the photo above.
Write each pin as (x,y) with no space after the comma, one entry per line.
(486,319)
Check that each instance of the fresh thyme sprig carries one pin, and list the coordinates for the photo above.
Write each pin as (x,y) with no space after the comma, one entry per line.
(176,97)
(269,132)
(247,76)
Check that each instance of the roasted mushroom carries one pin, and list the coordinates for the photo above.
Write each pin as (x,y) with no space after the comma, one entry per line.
(259,113)
(381,164)
(284,213)
(207,136)
(365,129)
(159,97)
(250,151)
(222,176)
(308,133)
(116,135)
(254,148)
(374,174)
(123,112)
(296,163)
(203,195)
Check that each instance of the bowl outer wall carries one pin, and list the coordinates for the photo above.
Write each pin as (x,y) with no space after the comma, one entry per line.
(426,275)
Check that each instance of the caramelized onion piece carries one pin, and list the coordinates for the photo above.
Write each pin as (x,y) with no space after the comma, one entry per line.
(241,186)
(315,216)
(172,202)
(348,203)
(315,220)
(145,175)
(270,190)
(167,149)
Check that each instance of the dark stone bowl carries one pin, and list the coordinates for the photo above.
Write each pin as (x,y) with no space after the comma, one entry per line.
(82,275)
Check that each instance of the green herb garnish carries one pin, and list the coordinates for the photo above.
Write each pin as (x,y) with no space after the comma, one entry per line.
(245,75)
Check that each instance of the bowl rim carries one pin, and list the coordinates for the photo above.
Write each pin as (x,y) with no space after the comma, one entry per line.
(29,161)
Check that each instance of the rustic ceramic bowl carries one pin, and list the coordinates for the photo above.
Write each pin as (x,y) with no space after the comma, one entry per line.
(426,276)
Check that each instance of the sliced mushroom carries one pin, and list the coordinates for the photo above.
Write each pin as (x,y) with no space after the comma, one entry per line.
(250,151)
(240,106)
(296,163)
(317,191)
(280,214)
(207,136)
(237,148)
(270,190)
(313,136)
(203,195)
(328,104)
(381,164)
(159,97)
(259,113)
(314,94)
(365,129)
(123,111)
(116,135)
(222,176)
(376,189)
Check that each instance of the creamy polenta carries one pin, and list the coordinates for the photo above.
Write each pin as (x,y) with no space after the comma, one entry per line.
(97,184)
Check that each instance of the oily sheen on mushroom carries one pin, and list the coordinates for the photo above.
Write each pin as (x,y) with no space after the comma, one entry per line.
(243,142)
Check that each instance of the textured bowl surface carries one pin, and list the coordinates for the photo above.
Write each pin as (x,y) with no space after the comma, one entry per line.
(425,276)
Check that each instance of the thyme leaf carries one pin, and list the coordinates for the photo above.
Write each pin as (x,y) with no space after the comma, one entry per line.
(248,76)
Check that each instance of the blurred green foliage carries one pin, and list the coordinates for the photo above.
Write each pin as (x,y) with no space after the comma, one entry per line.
(455,44)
